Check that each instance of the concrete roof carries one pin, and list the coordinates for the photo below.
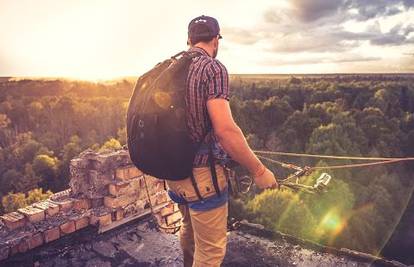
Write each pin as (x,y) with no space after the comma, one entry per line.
(138,243)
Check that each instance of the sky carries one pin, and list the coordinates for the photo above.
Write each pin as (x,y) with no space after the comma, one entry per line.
(104,39)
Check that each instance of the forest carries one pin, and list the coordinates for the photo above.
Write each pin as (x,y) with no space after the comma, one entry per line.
(44,123)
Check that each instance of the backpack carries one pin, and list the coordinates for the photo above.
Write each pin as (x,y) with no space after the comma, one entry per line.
(158,140)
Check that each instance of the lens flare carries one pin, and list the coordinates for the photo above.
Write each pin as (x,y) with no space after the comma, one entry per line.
(332,222)
(331,225)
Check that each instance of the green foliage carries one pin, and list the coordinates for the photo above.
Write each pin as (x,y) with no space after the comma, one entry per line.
(282,211)
(353,117)
(44,124)
(111,144)
(12,202)
(37,195)
(47,167)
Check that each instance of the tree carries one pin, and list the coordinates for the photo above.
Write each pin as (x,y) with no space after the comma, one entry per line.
(46,167)
(110,144)
(37,195)
(12,202)
(283,211)
(122,136)
(331,140)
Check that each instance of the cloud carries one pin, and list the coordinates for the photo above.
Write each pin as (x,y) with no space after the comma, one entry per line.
(317,26)
(308,11)
(305,11)
(371,9)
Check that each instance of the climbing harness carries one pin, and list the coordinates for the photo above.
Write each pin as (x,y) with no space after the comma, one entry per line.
(242,185)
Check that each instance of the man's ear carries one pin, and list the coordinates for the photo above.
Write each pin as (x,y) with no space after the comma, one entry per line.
(189,42)
(216,40)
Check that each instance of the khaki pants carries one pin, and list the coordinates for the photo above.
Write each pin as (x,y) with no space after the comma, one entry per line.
(203,234)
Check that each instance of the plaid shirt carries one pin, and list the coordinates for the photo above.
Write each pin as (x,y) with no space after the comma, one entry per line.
(207,79)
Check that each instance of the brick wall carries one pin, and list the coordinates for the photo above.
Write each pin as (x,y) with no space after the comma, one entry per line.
(106,190)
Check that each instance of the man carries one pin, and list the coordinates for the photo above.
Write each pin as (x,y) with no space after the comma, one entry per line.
(203,203)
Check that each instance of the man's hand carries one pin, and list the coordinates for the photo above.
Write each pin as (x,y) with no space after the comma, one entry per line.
(265,179)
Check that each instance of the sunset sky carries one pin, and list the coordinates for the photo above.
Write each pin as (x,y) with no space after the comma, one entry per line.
(108,39)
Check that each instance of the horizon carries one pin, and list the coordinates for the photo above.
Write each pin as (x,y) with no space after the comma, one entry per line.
(51,78)
(89,40)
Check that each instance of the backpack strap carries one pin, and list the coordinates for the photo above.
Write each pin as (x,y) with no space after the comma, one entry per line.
(191,55)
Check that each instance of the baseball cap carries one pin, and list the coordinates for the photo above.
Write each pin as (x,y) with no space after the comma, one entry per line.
(203,27)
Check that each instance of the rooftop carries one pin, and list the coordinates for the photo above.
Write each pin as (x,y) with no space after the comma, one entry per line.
(138,243)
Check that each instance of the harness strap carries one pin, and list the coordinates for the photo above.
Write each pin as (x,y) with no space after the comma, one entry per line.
(193,181)
(213,168)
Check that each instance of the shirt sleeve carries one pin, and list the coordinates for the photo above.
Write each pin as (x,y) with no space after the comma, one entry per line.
(218,82)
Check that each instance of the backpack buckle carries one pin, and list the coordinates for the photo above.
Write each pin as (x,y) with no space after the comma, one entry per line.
(141,123)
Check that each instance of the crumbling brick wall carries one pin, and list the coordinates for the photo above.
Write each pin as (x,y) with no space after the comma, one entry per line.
(106,190)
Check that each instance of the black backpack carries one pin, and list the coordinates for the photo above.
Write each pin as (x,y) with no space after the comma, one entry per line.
(157,135)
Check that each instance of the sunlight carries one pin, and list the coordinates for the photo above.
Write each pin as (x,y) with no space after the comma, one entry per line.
(331,225)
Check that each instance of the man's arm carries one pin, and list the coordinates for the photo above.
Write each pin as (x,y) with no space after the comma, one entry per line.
(232,139)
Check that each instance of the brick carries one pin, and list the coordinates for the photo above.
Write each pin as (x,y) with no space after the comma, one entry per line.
(23,245)
(153,199)
(160,219)
(176,208)
(14,249)
(49,207)
(61,194)
(36,240)
(97,202)
(65,204)
(175,217)
(141,204)
(4,251)
(127,173)
(82,203)
(162,197)
(154,185)
(125,188)
(81,222)
(103,219)
(119,214)
(159,198)
(13,220)
(167,210)
(51,234)
(67,228)
(32,214)
(20,243)
(118,202)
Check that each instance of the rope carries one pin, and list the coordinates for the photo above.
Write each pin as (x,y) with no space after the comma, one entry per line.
(174,229)
(338,166)
(330,156)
